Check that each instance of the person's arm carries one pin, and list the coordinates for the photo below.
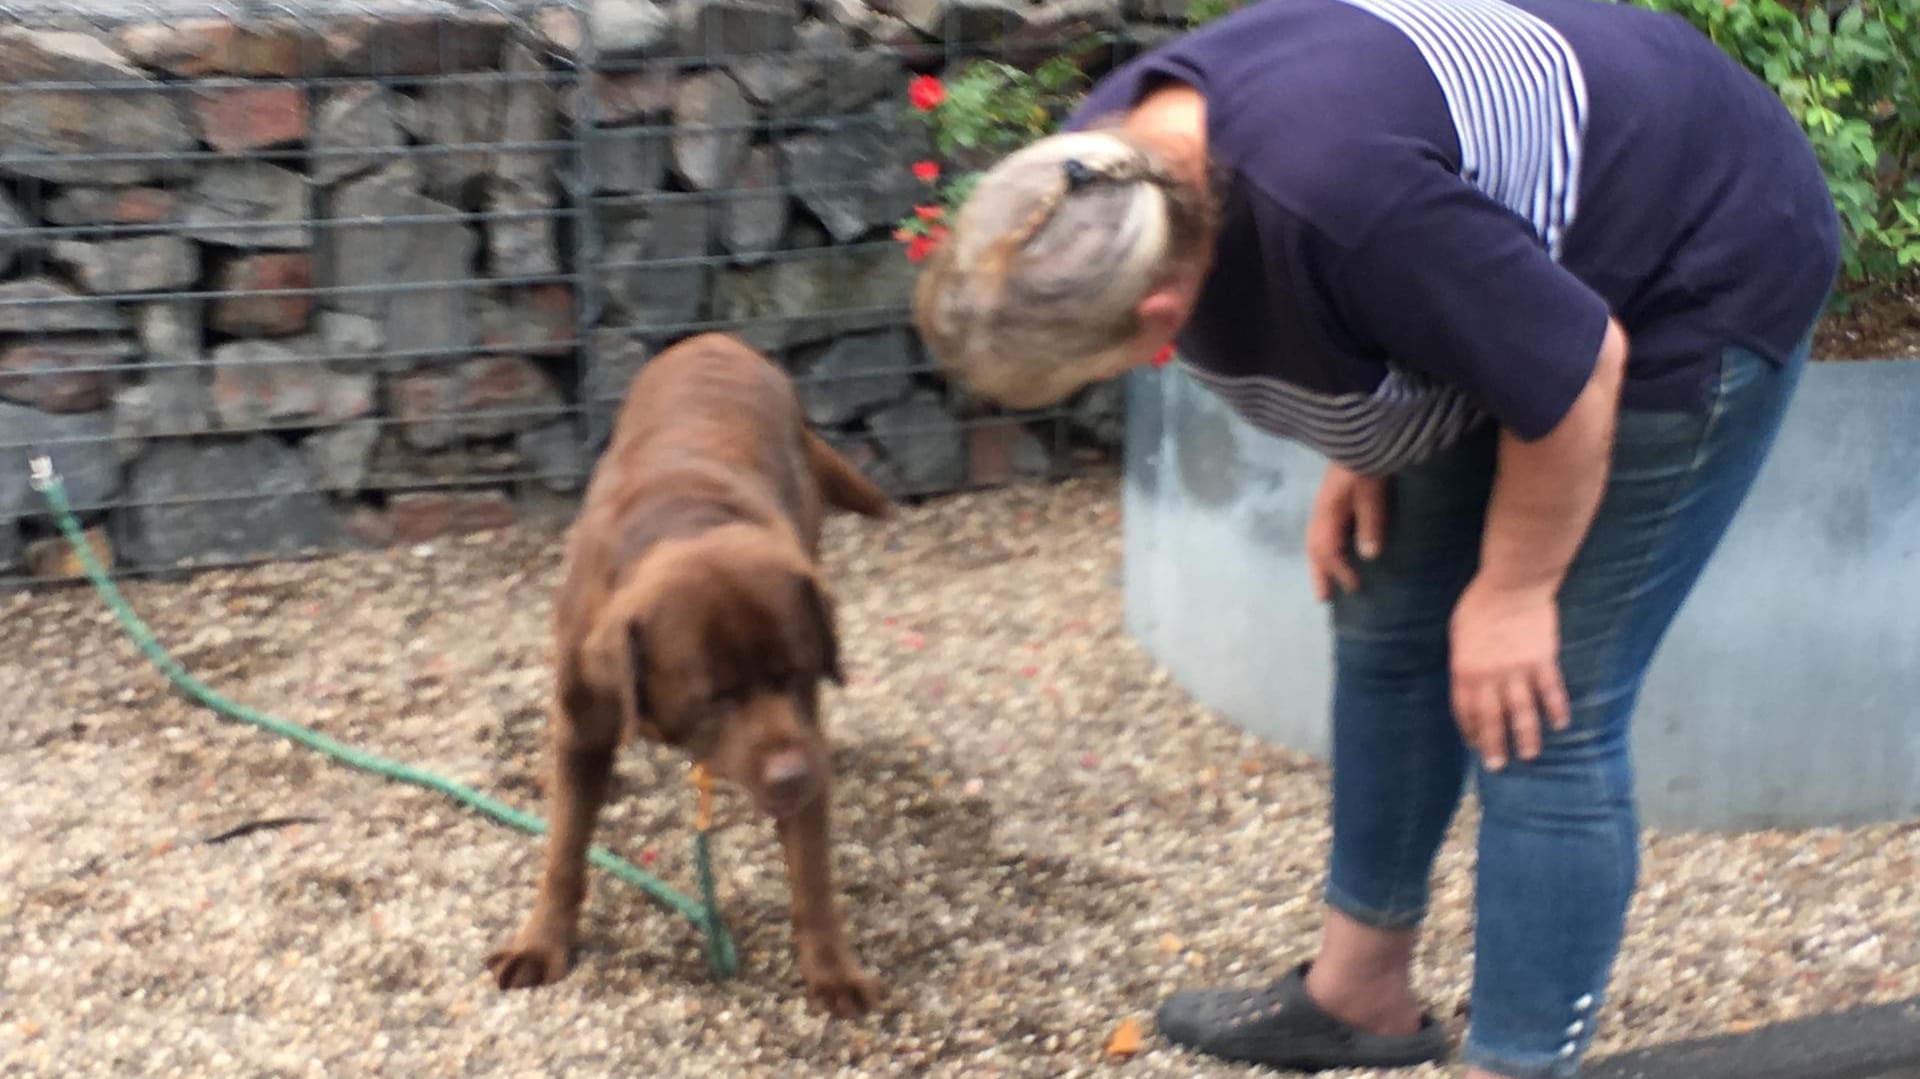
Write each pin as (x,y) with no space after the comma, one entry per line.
(1449,284)
(1505,633)
(1546,490)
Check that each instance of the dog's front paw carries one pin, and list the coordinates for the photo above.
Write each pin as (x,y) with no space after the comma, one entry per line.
(838,985)
(528,965)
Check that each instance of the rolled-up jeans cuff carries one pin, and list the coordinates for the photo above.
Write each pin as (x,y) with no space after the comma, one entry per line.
(1374,917)
(1561,1065)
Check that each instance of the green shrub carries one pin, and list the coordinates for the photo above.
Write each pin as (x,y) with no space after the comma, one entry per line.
(978,114)
(1850,74)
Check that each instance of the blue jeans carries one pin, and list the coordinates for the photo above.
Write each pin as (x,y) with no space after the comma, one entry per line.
(1559,837)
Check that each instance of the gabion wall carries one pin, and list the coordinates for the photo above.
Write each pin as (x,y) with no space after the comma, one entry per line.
(284,278)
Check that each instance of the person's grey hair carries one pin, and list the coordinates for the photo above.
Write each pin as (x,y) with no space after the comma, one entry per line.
(1034,291)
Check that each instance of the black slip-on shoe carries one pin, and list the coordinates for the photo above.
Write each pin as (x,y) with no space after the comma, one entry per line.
(1280,1026)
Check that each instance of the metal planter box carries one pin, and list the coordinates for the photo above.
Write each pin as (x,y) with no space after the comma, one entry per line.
(1787,693)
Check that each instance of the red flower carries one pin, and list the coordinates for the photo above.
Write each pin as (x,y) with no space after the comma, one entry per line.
(1163,357)
(930,213)
(926,93)
(919,248)
(926,171)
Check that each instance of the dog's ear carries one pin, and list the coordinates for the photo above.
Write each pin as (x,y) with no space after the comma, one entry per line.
(614,661)
(819,617)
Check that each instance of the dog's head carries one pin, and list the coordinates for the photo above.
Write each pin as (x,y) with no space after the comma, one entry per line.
(718,644)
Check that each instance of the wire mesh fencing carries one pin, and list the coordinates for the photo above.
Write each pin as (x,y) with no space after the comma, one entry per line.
(282,278)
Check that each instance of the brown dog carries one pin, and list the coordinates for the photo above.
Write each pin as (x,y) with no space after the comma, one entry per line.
(692,613)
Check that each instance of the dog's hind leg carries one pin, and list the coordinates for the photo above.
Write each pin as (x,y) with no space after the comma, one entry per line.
(540,951)
(835,979)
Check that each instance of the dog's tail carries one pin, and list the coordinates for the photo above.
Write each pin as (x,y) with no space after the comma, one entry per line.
(841,483)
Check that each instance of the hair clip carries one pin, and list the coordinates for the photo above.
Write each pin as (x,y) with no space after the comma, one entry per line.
(1078,174)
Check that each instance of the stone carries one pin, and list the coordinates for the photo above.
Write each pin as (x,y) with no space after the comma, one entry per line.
(137,264)
(225,499)
(823,74)
(54,559)
(625,161)
(418,324)
(12,246)
(625,97)
(266,384)
(348,337)
(524,241)
(525,244)
(718,28)
(155,409)
(357,129)
(112,206)
(855,17)
(616,358)
(237,119)
(555,454)
(369,527)
(830,292)
(488,397)
(656,296)
(419,516)
(80,445)
(538,321)
(530,115)
(398,466)
(265,316)
(871,27)
(403,44)
(68,126)
(557,29)
(174,398)
(1157,10)
(1054,26)
(793,81)
(712,129)
(857,178)
(628,28)
(170,330)
(339,457)
(754,215)
(455,114)
(923,442)
(1099,412)
(40,371)
(248,204)
(857,373)
(41,305)
(962,21)
(194,48)
(999,452)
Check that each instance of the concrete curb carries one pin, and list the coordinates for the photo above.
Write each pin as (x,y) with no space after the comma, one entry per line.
(1867,1043)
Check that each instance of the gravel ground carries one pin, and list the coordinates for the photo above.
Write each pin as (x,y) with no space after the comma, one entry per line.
(1038,836)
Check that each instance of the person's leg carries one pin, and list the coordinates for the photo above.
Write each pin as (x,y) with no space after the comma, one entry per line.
(1399,764)
(1559,837)
(1398,770)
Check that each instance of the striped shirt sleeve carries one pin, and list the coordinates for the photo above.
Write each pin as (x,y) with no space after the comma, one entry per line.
(1452,285)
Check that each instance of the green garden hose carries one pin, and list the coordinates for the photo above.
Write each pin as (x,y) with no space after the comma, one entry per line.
(722,958)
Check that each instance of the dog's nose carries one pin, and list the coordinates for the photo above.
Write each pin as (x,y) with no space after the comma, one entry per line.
(788,777)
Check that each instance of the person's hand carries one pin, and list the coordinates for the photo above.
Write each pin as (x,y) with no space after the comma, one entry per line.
(1506,670)
(1348,505)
